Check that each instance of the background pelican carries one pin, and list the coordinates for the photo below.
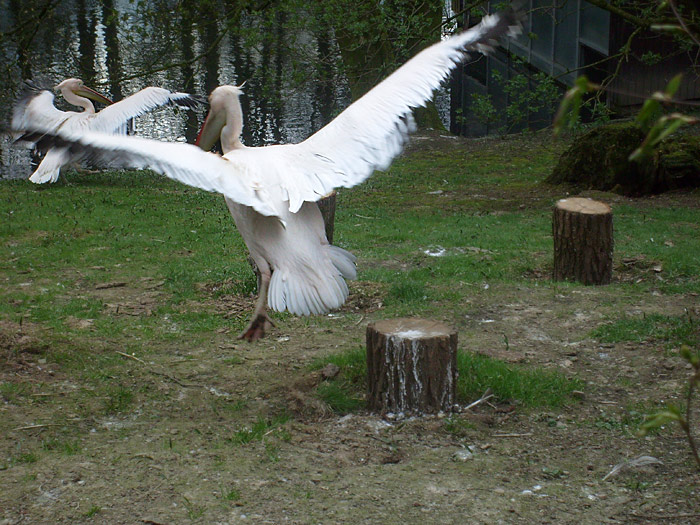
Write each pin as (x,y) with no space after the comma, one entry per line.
(274,189)
(36,110)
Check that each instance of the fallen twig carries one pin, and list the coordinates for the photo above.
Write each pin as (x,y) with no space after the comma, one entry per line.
(161,374)
(131,357)
(487,395)
(525,434)
(31,427)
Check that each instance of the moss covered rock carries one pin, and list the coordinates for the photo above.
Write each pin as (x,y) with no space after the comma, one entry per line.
(599,160)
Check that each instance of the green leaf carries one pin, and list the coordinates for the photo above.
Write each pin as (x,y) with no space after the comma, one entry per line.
(674,84)
(690,355)
(570,106)
(649,111)
(659,419)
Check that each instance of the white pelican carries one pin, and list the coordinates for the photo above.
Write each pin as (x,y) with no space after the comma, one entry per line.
(36,109)
(299,270)
(272,191)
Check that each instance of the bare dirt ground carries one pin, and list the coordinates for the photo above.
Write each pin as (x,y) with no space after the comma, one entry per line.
(176,456)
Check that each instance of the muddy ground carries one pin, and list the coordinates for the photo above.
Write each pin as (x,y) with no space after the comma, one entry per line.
(178,454)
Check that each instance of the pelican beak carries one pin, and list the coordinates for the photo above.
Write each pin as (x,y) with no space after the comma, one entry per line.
(211,130)
(85,91)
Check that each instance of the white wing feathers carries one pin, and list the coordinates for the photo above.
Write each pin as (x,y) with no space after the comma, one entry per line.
(373,130)
(182,162)
(111,118)
(35,111)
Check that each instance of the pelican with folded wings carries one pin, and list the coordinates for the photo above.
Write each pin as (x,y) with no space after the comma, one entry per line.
(272,191)
(36,110)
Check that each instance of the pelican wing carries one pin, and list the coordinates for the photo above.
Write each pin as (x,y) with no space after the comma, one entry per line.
(181,162)
(113,117)
(35,110)
(373,130)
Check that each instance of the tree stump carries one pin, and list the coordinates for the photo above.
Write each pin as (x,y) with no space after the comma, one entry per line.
(411,366)
(327,207)
(583,241)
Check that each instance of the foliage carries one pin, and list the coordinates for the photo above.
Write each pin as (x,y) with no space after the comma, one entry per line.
(344,393)
(530,386)
(645,16)
(477,373)
(674,413)
(527,95)
(600,159)
(669,329)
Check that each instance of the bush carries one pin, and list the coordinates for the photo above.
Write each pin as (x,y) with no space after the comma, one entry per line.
(599,160)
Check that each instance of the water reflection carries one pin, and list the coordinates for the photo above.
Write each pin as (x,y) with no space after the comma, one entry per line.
(293,86)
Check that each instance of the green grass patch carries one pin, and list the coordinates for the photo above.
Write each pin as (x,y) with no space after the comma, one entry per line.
(119,399)
(345,392)
(69,447)
(533,387)
(670,330)
(92,511)
(261,428)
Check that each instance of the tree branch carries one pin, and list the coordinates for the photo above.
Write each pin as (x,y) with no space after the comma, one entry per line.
(626,15)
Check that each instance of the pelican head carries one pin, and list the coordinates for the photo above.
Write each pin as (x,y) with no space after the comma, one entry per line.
(76,93)
(225,119)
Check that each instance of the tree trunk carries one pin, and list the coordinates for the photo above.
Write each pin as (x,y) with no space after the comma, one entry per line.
(583,241)
(327,207)
(411,366)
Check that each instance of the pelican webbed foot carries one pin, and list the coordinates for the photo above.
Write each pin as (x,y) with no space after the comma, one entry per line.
(257,327)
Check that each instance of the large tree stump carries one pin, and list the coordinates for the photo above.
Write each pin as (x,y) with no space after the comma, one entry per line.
(583,241)
(411,366)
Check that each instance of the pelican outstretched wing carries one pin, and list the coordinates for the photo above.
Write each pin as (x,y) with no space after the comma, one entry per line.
(113,117)
(372,131)
(181,162)
(35,110)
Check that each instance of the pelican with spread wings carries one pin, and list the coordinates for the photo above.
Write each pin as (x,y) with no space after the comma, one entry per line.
(36,110)
(272,191)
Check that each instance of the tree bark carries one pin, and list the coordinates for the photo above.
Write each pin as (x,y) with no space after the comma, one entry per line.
(327,207)
(411,366)
(583,241)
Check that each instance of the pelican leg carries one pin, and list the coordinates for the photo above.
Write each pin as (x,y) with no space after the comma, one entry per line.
(259,322)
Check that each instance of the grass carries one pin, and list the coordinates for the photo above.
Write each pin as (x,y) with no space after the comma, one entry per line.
(261,428)
(344,393)
(443,232)
(532,387)
(459,234)
(673,331)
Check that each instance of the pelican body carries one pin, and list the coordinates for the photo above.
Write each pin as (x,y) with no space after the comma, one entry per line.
(37,109)
(299,270)
(272,191)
